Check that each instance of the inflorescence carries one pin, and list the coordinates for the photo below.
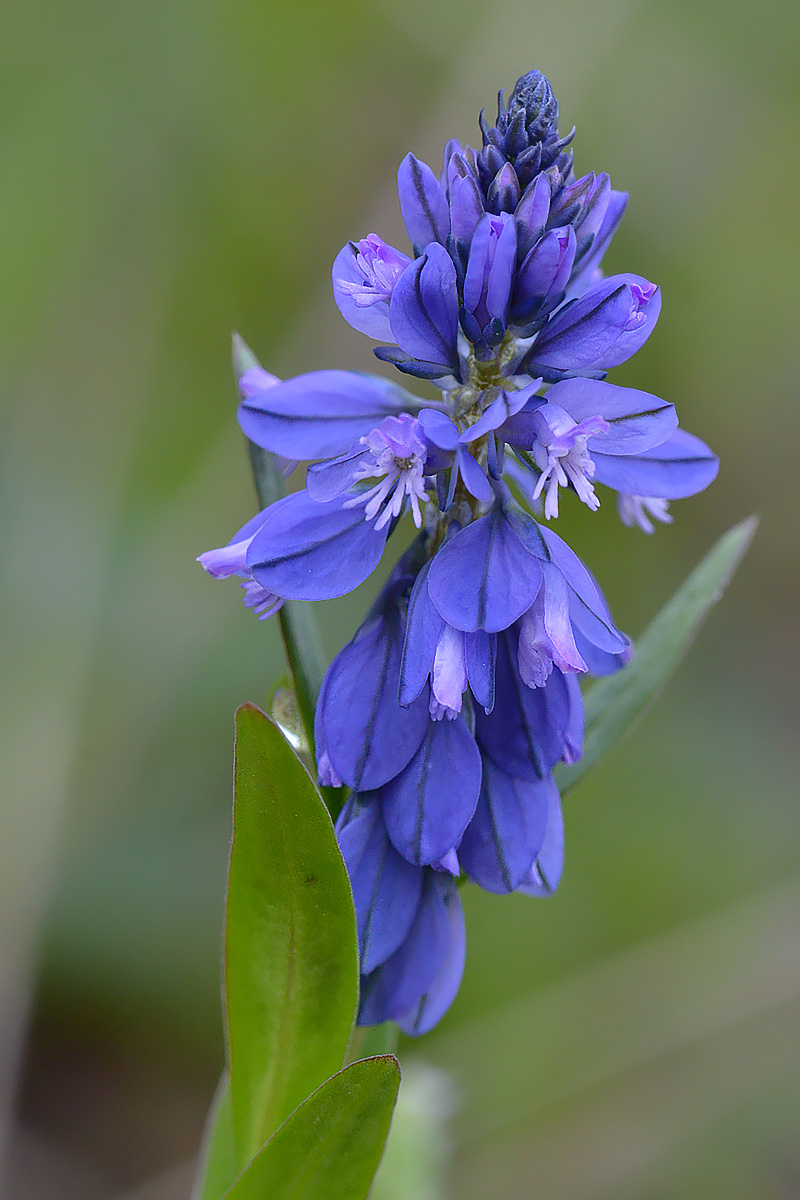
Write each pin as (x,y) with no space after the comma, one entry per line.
(447,712)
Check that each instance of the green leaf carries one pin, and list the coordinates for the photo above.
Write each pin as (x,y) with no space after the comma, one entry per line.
(291,955)
(218,1166)
(305,655)
(330,1147)
(613,703)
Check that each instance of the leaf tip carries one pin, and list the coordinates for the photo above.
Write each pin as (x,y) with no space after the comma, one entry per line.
(249,714)
(242,356)
(748,527)
(249,707)
(391,1061)
(738,540)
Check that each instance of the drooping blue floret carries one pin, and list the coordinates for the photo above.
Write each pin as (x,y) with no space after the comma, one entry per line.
(448,710)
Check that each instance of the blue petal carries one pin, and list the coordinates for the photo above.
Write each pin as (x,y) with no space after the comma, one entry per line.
(481,653)
(592,218)
(466,208)
(386,888)
(574,731)
(484,577)
(599,662)
(394,988)
(419,368)
(231,559)
(501,272)
(423,203)
(501,409)
(580,334)
(424,625)
(524,733)
(532,211)
(310,551)
(638,420)
(601,329)
(441,993)
(475,481)
(424,308)
(368,737)
(439,428)
(475,276)
(428,806)
(681,466)
(617,203)
(588,608)
(320,414)
(371,319)
(507,831)
(327,480)
(549,865)
(364,275)
(544,272)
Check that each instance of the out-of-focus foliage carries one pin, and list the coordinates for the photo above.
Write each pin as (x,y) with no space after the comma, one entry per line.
(171,171)
(612,704)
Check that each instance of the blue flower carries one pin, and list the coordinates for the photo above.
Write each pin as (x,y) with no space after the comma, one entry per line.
(395,453)
(364,275)
(581,423)
(232,560)
(410,925)
(439,734)
(448,710)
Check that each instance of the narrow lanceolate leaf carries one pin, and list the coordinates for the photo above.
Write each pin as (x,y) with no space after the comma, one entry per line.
(330,1147)
(218,1166)
(291,960)
(613,703)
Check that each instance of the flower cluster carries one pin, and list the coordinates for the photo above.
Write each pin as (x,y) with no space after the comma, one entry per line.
(447,712)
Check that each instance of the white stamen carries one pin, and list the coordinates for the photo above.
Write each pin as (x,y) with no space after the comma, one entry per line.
(560,451)
(637,510)
(397,452)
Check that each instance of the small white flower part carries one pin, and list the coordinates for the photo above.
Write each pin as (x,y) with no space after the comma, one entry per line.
(263,603)
(638,510)
(378,268)
(232,560)
(561,454)
(397,452)
(448,674)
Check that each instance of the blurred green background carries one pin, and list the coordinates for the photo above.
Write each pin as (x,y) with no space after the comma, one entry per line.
(171,171)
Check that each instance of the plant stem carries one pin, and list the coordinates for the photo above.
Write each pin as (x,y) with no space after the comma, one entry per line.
(302,644)
(369,1040)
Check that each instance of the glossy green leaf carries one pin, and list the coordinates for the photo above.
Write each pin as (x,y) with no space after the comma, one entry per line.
(291,957)
(218,1166)
(613,703)
(330,1147)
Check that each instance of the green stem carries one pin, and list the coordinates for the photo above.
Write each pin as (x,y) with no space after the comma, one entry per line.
(302,644)
(369,1040)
